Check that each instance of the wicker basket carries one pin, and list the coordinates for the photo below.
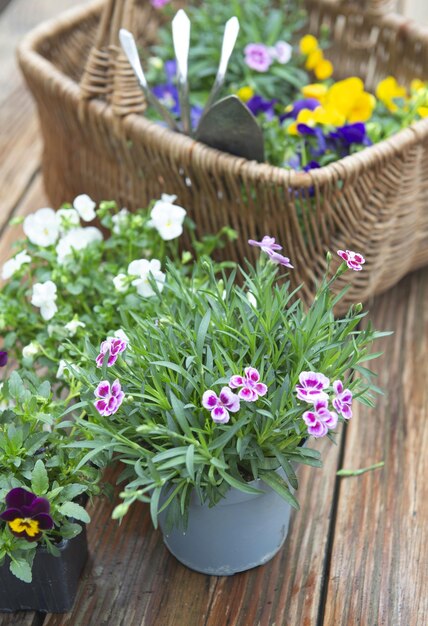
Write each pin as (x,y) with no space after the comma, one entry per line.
(97,141)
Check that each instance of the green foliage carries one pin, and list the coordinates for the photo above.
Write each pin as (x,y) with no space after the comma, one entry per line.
(202,333)
(35,455)
(85,294)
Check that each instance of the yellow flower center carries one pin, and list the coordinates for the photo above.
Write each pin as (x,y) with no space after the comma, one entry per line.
(245,93)
(25,524)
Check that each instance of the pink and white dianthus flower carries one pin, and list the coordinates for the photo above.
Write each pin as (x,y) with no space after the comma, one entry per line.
(343,400)
(311,385)
(109,397)
(220,405)
(158,4)
(252,388)
(112,346)
(257,57)
(354,260)
(320,420)
(270,247)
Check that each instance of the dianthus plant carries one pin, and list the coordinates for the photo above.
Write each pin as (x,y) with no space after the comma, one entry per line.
(225,384)
(68,279)
(42,490)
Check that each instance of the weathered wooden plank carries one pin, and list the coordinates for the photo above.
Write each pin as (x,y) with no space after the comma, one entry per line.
(132,579)
(379,564)
(21,618)
(20,143)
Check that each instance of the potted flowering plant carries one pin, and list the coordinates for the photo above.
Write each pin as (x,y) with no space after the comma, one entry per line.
(286,80)
(67,280)
(42,495)
(214,400)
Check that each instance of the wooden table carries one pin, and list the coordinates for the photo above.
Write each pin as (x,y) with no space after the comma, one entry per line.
(357,551)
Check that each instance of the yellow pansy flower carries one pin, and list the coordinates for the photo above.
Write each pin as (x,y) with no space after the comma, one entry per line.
(314,59)
(363,108)
(315,90)
(324,69)
(329,116)
(388,90)
(423,111)
(308,44)
(292,129)
(245,93)
(306,116)
(417,85)
(349,99)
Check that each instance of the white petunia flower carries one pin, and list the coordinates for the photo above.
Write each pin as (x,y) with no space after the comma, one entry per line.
(76,239)
(120,282)
(71,327)
(167,218)
(44,296)
(42,227)
(14,264)
(120,334)
(120,220)
(69,218)
(63,366)
(85,207)
(30,350)
(143,269)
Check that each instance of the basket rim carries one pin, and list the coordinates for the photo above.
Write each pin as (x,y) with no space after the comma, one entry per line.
(346,167)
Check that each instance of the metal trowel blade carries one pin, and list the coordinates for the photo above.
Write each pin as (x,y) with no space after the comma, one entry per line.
(230,126)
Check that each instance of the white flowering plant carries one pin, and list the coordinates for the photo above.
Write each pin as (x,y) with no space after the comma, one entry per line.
(69,280)
(225,382)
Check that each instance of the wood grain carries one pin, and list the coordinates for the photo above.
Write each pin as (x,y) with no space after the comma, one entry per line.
(132,578)
(379,562)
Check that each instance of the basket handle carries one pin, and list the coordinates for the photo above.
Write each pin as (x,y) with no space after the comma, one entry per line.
(107,74)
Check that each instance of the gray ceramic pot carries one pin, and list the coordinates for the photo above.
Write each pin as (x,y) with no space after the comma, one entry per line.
(240,532)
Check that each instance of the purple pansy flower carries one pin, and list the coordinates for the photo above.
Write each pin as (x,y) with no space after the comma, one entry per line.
(27,514)
(351,133)
(354,260)
(112,346)
(252,388)
(167,94)
(110,397)
(343,400)
(257,105)
(257,57)
(170,68)
(311,386)
(220,405)
(312,165)
(305,103)
(3,358)
(306,130)
(319,420)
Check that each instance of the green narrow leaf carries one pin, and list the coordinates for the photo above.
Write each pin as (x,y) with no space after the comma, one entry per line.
(154,505)
(178,408)
(237,484)
(190,455)
(202,332)
(279,485)
(39,479)
(74,510)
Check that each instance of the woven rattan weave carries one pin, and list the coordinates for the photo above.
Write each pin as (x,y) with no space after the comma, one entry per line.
(97,141)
